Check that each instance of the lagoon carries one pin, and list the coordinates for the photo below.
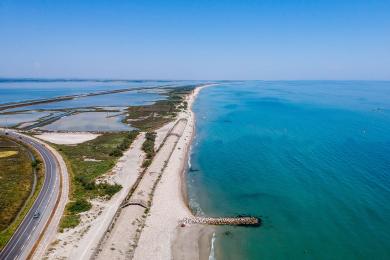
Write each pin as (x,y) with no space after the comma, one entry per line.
(16,90)
(91,122)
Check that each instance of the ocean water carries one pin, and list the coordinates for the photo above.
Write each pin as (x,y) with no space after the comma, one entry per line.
(312,158)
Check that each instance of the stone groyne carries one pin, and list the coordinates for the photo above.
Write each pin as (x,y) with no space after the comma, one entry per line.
(234,221)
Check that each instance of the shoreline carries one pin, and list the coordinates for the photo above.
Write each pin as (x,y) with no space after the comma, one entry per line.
(186,161)
(196,233)
(164,237)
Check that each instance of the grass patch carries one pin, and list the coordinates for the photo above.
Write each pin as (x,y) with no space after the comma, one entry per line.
(16,179)
(154,116)
(4,154)
(148,148)
(105,149)
(78,206)
(69,220)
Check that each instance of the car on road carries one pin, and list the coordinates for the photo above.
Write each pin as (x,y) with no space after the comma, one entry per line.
(36,215)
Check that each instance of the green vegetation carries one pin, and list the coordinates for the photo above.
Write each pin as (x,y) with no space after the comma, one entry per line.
(69,220)
(79,205)
(35,163)
(118,151)
(151,117)
(148,148)
(16,183)
(104,150)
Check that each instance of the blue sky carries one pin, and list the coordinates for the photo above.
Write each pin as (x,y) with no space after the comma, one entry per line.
(145,39)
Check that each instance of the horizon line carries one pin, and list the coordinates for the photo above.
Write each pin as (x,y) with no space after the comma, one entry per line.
(64,79)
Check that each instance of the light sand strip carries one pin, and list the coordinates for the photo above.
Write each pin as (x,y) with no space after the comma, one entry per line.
(163,237)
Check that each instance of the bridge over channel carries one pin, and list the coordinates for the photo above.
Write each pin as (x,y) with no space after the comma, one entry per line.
(137,202)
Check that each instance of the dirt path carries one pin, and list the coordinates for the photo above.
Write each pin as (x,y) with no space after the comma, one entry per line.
(121,241)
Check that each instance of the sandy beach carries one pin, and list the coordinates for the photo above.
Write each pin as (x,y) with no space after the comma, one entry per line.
(163,237)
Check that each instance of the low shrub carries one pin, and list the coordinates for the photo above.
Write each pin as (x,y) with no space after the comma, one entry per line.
(109,190)
(79,205)
(148,145)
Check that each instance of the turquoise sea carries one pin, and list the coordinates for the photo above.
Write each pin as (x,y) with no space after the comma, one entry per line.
(312,158)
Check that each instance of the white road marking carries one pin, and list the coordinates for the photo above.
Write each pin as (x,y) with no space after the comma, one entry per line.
(48,183)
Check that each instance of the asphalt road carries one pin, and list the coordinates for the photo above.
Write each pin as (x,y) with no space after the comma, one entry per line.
(28,232)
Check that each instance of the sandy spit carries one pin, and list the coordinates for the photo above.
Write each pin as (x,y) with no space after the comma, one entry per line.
(162,236)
